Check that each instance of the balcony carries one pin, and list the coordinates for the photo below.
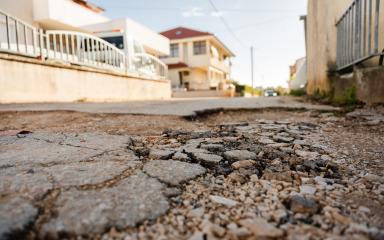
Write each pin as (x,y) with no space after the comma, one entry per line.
(221,65)
(64,15)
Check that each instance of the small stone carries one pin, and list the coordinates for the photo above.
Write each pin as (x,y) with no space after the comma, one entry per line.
(307,190)
(279,176)
(160,154)
(301,143)
(173,172)
(278,145)
(261,228)
(213,147)
(208,159)
(222,200)
(181,157)
(197,212)
(287,150)
(238,155)
(241,164)
(240,178)
(364,209)
(197,236)
(306,154)
(283,139)
(266,141)
(303,205)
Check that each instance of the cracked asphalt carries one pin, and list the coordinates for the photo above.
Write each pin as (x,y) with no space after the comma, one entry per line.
(237,172)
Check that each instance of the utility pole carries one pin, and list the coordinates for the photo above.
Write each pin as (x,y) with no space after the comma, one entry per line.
(253,90)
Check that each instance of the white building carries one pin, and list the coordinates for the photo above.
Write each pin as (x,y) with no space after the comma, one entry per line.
(81,16)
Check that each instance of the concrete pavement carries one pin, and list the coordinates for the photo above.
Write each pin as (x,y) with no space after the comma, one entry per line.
(178,107)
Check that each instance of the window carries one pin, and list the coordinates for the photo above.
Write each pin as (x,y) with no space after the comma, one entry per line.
(199,48)
(115,41)
(174,50)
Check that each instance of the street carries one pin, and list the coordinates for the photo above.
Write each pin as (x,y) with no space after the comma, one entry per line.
(257,168)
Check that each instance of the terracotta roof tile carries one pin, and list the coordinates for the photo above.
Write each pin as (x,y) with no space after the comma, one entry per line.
(177,65)
(180,32)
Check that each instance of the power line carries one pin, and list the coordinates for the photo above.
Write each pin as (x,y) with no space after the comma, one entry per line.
(226,25)
(178,9)
(260,23)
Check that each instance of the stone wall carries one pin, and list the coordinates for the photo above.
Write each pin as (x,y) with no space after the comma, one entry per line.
(30,80)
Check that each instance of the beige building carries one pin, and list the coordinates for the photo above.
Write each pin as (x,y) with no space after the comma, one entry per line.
(322,34)
(198,60)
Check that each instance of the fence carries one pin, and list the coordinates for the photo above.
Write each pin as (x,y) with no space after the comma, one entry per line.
(84,49)
(358,33)
(17,37)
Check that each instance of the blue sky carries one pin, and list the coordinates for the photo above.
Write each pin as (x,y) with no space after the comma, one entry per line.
(272,27)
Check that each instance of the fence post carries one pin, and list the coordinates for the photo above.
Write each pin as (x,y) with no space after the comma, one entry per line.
(41,43)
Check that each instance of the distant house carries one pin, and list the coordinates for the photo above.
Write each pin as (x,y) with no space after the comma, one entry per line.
(198,60)
(298,74)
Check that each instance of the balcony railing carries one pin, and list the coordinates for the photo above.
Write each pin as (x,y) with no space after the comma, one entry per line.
(84,49)
(17,37)
(358,33)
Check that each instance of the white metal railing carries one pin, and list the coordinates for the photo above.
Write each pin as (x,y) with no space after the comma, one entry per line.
(17,36)
(146,64)
(84,49)
(358,33)
(20,38)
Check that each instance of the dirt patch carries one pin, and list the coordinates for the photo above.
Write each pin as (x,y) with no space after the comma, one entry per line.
(76,122)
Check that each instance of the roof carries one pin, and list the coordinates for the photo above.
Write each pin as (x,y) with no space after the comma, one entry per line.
(180,32)
(90,6)
(177,65)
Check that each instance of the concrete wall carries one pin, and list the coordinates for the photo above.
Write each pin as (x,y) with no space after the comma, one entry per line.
(322,40)
(198,94)
(29,80)
(368,82)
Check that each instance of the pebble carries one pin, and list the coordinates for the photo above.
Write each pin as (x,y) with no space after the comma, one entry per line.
(222,200)
(261,228)
(303,205)
(243,163)
(239,155)
(307,190)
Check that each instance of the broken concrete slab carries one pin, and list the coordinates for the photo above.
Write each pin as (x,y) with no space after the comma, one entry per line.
(28,182)
(173,172)
(15,216)
(238,155)
(97,141)
(28,150)
(121,206)
(88,173)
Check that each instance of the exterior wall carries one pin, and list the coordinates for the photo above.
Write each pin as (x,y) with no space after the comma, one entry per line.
(29,80)
(322,40)
(154,43)
(51,13)
(25,13)
(199,94)
(368,82)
